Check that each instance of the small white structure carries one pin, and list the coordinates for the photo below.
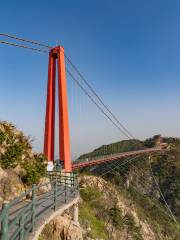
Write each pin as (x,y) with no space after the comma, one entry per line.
(50,166)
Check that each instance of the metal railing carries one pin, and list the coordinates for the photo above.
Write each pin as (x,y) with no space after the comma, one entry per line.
(19,217)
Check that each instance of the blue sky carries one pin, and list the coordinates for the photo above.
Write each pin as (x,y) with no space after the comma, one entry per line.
(128,50)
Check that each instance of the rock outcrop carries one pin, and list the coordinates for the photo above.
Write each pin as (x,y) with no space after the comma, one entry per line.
(120,216)
(62,228)
(112,197)
(16,154)
(11,185)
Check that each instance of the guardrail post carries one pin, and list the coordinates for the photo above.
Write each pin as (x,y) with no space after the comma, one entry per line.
(60,177)
(21,224)
(77,183)
(4,223)
(72,182)
(33,206)
(55,194)
(65,188)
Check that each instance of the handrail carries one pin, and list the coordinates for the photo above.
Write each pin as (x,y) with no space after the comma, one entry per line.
(18,217)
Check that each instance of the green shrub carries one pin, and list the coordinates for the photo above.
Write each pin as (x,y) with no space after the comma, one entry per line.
(115,215)
(12,156)
(131,227)
(2,137)
(89,194)
(34,170)
(16,150)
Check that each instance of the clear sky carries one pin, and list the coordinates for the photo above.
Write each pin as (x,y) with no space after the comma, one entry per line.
(128,50)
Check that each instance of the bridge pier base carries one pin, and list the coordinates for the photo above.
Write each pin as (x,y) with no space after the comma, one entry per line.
(75,213)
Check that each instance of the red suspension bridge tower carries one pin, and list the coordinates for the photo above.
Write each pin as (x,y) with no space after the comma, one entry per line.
(57,59)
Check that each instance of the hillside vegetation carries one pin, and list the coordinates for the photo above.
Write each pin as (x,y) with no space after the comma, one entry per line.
(110,212)
(20,167)
(140,182)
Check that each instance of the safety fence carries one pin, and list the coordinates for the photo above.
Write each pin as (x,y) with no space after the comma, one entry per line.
(19,217)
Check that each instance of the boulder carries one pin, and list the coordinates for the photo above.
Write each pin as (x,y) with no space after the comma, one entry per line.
(14,185)
(60,228)
(11,185)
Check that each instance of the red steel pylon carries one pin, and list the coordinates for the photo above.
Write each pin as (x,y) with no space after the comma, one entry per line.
(56,55)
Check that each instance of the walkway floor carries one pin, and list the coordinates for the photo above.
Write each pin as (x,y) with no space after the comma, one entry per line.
(44,211)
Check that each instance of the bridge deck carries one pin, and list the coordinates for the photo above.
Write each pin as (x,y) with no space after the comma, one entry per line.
(114,157)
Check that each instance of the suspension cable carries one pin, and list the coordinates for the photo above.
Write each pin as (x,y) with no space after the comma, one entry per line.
(156,182)
(23,46)
(98,97)
(97,105)
(119,165)
(25,40)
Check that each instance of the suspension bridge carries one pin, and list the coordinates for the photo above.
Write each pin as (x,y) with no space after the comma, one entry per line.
(24,217)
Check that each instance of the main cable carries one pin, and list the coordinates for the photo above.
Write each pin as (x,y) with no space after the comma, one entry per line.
(98,97)
(97,105)
(23,46)
(25,40)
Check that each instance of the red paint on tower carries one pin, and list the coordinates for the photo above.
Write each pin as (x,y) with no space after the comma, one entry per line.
(57,55)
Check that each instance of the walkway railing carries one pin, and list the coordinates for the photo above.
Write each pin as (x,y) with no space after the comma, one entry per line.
(19,217)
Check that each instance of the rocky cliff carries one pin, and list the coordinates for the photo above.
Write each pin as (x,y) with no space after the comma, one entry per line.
(20,167)
(108,212)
